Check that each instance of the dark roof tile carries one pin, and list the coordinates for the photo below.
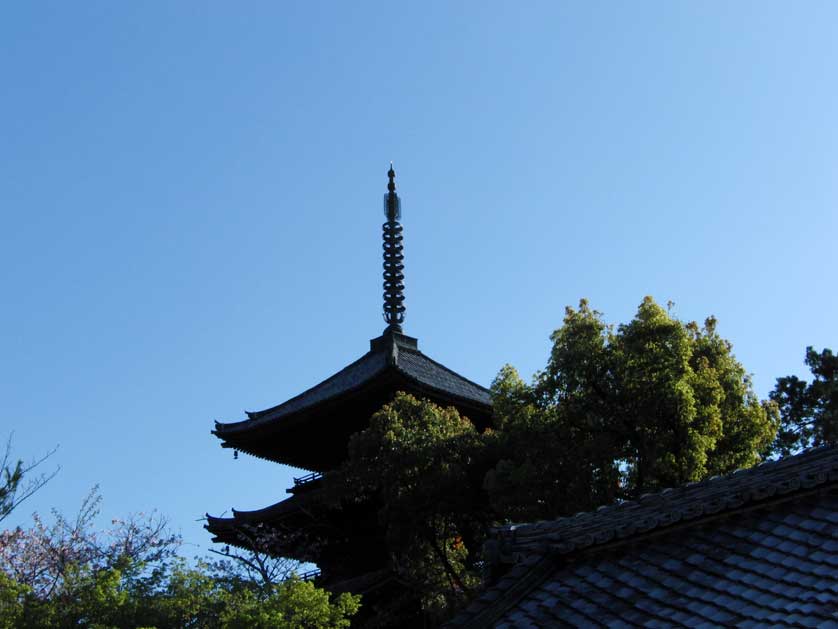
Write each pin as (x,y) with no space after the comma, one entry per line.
(431,373)
(396,352)
(772,564)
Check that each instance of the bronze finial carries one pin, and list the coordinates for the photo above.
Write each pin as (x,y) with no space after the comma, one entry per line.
(393,257)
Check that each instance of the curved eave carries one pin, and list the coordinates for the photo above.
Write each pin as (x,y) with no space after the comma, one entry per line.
(292,439)
(361,372)
(295,440)
(223,531)
(258,426)
(292,432)
(228,530)
(276,511)
(228,432)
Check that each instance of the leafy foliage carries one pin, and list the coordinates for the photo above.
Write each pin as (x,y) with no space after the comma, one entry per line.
(292,604)
(45,556)
(616,413)
(178,596)
(67,574)
(421,463)
(809,410)
(11,595)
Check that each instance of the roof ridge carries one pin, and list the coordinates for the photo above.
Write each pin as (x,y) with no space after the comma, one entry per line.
(391,351)
(682,538)
(682,504)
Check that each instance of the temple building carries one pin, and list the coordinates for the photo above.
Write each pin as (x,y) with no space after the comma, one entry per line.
(312,430)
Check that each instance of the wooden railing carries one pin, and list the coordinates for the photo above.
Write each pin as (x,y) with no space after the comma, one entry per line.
(311,575)
(308,478)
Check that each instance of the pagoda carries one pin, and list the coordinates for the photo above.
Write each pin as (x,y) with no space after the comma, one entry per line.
(312,430)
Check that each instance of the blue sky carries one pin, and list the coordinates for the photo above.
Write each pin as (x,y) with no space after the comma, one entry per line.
(190,197)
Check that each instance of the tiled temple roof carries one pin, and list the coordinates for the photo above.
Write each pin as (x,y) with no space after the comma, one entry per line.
(754,548)
(272,513)
(283,525)
(392,352)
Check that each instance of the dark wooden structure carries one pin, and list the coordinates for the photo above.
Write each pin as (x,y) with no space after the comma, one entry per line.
(293,432)
(312,430)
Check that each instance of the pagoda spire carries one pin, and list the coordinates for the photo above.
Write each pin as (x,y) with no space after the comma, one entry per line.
(393,257)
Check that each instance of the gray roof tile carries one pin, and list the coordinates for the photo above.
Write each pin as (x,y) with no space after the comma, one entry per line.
(775,563)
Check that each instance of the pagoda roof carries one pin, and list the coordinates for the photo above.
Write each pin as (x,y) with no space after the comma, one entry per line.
(311,527)
(393,363)
(228,530)
(751,548)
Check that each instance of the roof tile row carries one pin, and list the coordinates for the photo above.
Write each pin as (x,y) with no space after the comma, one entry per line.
(755,548)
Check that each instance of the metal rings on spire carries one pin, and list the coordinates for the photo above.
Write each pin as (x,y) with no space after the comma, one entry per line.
(393,257)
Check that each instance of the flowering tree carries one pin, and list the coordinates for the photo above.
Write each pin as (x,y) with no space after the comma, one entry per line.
(42,557)
(68,574)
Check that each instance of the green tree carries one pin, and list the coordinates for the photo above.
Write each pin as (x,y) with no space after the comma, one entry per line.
(618,412)
(809,410)
(12,595)
(67,574)
(184,597)
(422,464)
(292,604)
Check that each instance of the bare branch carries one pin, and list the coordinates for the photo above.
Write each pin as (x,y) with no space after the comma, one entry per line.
(16,482)
(258,563)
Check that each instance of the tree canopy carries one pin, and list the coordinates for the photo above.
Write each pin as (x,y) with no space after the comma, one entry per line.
(618,412)
(420,463)
(809,410)
(65,573)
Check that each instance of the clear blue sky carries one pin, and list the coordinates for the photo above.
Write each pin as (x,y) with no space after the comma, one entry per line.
(191,206)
